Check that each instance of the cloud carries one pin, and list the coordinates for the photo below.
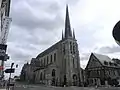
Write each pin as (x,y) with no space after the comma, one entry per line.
(37,25)
(25,17)
(109,49)
(18,53)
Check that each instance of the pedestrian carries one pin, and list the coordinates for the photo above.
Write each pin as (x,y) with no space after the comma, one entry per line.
(96,86)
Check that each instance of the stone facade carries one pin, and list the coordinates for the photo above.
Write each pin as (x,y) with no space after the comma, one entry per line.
(59,65)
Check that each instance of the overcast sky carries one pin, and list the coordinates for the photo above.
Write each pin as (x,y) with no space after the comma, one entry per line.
(38,24)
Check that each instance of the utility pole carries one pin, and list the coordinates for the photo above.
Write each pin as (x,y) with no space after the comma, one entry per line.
(5,23)
(10,70)
(10,75)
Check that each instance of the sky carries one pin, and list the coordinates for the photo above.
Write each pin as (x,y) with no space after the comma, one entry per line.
(38,24)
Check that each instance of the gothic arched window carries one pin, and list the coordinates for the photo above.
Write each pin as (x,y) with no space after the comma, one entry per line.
(74,48)
(47,60)
(51,58)
(44,61)
(73,63)
(64,49)
(53,73)
(44,76)
(70,47)
(41,76)
(54,57)
(41,62)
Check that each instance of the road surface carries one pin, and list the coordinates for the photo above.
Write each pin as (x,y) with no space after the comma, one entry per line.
(41,87)
(33,87)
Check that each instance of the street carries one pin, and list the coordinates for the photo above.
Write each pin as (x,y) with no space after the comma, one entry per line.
(38,87)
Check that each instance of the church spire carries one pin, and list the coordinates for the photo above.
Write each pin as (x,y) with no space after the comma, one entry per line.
(73,33)
(68,32)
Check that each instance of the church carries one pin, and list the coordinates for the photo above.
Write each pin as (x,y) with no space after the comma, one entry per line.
(58,65)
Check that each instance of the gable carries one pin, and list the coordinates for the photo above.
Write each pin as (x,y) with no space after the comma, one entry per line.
(93,62)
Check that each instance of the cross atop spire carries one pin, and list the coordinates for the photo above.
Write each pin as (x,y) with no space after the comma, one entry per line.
(68,32)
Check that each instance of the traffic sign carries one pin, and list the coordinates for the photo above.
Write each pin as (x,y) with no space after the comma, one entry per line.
(10,70)
(11,84)
(116,33)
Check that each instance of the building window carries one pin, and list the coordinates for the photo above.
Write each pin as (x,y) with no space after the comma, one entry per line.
(47,60)
(41,62)
(114,72)
(54,57)
(64,49)
(70,47)
(91,80)
(73,48)
(51,59)
(110,63)
(73,63)
(105,62)
(44,76)
(109,72)
(115,64)
(53,73)
(40,76)
(44,62)
(98,72)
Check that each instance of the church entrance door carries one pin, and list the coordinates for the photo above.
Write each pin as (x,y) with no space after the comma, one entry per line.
(74,80)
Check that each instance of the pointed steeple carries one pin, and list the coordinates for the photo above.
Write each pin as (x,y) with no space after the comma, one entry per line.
(68,32)
(73,33)
(27,63)
(62,35)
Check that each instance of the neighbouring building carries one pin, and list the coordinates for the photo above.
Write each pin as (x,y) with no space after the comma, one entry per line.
(58,65)
(23,72)
(101,70)
(116,60)
(27,72)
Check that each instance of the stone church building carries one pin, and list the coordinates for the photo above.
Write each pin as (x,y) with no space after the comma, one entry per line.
(58,65)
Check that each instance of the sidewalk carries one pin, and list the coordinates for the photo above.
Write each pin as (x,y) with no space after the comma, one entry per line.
(2,88)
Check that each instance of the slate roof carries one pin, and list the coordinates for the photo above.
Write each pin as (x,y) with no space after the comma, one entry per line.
(50,49)
(103,58)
